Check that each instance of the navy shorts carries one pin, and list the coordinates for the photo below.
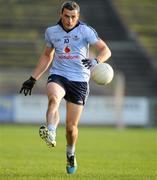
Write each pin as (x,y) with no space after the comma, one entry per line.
(75,92)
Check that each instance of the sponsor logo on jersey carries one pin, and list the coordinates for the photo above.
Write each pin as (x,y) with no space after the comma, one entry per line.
(67,49)
(68,57)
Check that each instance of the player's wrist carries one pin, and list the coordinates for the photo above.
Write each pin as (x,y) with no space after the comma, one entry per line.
(97,60)
(94,62)
(89,63)
(32,79)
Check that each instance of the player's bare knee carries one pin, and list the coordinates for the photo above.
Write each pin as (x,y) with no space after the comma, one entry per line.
(71,129)
(53,104)
(53,100)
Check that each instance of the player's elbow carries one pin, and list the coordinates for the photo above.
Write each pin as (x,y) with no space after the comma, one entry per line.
(109,53)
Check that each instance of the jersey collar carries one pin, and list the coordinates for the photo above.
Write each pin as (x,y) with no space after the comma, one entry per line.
(61,24)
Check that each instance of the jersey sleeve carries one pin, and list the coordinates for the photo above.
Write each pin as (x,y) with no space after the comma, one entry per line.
(91,35)
(47,39)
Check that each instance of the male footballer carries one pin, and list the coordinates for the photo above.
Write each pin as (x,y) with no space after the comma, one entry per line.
(66,50)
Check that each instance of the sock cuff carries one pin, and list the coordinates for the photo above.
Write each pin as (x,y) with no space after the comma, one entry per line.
(70,150)
(51,127)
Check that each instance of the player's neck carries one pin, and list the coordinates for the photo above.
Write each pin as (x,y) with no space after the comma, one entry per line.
(67,30)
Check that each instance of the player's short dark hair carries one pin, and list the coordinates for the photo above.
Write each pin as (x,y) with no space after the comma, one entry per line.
(70,5)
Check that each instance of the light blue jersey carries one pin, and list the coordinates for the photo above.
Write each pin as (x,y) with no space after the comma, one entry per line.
(70,48)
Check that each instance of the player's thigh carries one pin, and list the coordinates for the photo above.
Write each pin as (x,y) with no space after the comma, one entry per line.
(55,91)
(73,113)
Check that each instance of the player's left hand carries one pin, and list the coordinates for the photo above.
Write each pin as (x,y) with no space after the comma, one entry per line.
(89,63)
(27,86)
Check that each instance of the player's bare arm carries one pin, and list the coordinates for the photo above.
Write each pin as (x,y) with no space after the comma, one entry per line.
(104,52)
(43,63)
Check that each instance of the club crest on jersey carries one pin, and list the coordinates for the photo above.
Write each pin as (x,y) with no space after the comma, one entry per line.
(67,49)
(76,38)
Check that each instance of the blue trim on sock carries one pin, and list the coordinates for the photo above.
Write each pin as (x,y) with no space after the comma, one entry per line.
(51,127)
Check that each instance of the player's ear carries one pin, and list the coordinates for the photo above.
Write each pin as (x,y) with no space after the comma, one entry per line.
(78,16)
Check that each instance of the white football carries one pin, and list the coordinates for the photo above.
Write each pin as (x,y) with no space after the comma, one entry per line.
(102,73)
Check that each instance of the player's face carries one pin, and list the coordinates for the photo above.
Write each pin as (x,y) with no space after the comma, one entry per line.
(69,18)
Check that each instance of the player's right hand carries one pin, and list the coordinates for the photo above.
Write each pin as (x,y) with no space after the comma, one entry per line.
(27,86)
(89,63)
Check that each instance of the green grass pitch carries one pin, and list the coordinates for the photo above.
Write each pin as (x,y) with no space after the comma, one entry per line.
(102,153)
